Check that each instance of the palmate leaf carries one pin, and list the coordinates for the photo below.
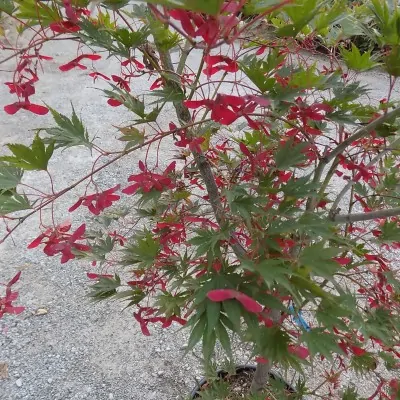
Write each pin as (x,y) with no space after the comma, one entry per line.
(317,259)
(130,102)
(143,251)
(131,135)
(207,241)
(199,323)
(332,14)
(333,314)
(131,39)
(114,4)
(68,132)
(104,288)
(273,344)
(350,394)
(390,232)
(301,13)
(364,363)
(11,202)
(213,311)
(223,337)
(10,176)
(320,342)
(241,203)
(289,155)
(34,158)
(259,6)
(381,324)
(34,12)
(97,35)
(168,94)
(299,187)
(357,61)
(205,6)
(6,6)
(259,71)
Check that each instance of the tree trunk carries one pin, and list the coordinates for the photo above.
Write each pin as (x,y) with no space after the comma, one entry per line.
(260,378)
(261,374)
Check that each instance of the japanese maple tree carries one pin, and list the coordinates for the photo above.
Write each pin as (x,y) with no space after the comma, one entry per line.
(276,220)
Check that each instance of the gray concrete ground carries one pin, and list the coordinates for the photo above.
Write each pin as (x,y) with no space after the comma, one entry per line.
(79,350)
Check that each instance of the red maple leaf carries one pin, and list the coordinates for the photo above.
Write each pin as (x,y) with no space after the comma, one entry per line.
(219,63)
(75,63)
(226,294)
(122,83)
(303,112)
(170,233)
(97,202)
(58,240)
(147,180)
(25,89)
(184,141)
(133,60)
(226,109)
(6,306)
(25,105)
(145,315)
(95,75)
(64,27)
(114,102)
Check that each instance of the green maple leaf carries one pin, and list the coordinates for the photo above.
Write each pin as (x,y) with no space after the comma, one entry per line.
(143,251)
(317,259)
(68,132)
(355,60)
(104,288)
(320,342)
(390,232)
(289,155)
(31,158)
(11,202)
(211,7)
(10,176)
(207,241)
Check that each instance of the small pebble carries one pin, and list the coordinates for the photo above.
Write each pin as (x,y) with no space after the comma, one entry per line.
(110,396)
(50,380)
(160,373)
(18,382)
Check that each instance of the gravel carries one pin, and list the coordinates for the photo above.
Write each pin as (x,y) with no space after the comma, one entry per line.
(77,349)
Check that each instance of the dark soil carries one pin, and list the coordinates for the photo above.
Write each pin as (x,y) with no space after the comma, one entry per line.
(238,386)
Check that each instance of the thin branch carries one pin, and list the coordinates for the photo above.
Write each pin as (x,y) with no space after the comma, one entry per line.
(364,131)
(367,216)
(21,220)
(351,183)
(187,48)
(35,44)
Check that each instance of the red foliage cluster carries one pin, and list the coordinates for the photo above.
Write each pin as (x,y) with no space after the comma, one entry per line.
(23,87)
(208,27)
(57,240)
(6,306)
(148,180)
(147,315)
(226,109)
(75,63)
(98,202)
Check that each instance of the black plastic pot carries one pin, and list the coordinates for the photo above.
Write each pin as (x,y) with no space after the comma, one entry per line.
(239,369)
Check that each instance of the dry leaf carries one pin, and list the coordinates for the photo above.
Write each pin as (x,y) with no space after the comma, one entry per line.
(3,370)
(41,311)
